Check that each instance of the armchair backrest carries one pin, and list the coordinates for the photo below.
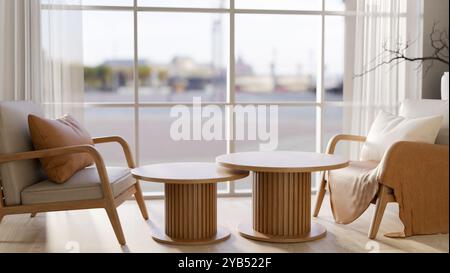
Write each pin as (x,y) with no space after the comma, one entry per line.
(424,108)
(14,138)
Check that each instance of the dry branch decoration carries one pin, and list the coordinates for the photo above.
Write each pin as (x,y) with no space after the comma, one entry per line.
(439,42)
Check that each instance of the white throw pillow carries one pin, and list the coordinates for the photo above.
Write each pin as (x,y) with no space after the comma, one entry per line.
(387,129)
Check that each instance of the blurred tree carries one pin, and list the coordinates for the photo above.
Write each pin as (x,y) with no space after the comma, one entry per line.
(144,73)
(90,77)
(104,73)
(163,75)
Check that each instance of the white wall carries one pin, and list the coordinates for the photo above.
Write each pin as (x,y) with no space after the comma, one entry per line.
(433,11)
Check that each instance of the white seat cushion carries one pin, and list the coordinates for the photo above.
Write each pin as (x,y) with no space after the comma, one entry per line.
(426,108)
(84,185)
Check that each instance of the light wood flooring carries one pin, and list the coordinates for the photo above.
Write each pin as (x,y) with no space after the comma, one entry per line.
(90,231)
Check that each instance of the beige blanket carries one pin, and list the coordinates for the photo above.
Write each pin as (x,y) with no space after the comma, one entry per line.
(352,189)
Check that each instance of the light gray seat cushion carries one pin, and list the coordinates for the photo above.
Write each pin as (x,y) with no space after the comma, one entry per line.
(84,185)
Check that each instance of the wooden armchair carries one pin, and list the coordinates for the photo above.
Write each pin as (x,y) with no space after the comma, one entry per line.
(404,162)
(24,189)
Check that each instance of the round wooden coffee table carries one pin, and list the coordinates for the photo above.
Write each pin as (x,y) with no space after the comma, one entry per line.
(190,200)
(281,193)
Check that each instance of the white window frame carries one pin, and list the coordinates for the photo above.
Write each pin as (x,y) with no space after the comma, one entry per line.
(320,104)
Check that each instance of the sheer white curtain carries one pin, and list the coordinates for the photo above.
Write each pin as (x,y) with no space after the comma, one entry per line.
(380,24)
(62,59)
(41,57)
(20,66)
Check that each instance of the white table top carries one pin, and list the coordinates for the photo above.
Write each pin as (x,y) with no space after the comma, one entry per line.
(283,162)
(187,173)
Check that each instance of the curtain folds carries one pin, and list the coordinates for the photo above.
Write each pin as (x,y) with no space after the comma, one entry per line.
(41,57)
(20,62)
(62,59)
(381,25)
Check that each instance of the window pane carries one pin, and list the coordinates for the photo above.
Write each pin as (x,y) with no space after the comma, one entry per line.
(339,120)
(157,146)
(352,5)
(279,63)
(109,122)
(333,124)
(339,5)
(182,55)
(334,57)
(89,2)
(296,132)
(279,4)
(185,3)
(108,56)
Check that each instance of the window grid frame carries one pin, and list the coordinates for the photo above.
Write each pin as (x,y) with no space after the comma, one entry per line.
(320,103)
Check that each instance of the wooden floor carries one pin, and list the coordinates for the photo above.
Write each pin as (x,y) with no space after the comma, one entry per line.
(90,231)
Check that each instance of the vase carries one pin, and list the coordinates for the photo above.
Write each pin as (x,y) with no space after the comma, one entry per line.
(444,86)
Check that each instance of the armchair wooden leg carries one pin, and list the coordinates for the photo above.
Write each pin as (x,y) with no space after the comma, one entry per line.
(140,200)
(115,222)
(1,217)
(33,214)
(320,196)
(382,201)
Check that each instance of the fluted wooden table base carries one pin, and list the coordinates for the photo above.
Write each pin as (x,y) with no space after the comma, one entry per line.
(221,235)
(191,215)
(282,209)
(246,230)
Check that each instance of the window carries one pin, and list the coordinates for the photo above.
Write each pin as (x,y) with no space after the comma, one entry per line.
(184,3)
(181,56)
(142,57)
(279,63)
(279,4)
(108,56)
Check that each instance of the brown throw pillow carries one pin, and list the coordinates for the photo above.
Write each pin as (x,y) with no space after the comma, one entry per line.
(66,131)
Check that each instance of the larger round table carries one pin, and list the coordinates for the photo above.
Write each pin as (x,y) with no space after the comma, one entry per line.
(190,200)
(281,193)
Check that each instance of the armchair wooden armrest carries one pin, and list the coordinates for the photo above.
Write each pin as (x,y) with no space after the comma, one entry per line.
(89,149)
(123,143)
(338,138)
(129,157)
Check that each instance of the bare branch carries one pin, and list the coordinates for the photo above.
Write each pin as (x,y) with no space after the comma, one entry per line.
(439,43)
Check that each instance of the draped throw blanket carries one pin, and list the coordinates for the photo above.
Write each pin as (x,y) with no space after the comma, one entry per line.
(418,173)
(352,189)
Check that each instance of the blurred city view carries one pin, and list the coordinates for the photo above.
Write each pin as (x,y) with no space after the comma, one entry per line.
(158,82)
(185,55)
(163,82)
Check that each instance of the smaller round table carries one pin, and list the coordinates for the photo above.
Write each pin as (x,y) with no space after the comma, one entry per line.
(190,200)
